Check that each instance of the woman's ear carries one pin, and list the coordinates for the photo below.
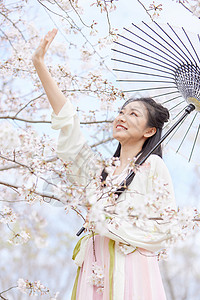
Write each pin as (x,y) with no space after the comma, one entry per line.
(150,132)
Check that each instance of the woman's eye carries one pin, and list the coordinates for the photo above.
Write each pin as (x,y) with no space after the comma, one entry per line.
(133,113)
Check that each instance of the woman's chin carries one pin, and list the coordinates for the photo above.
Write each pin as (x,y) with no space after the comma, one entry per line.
(118,136)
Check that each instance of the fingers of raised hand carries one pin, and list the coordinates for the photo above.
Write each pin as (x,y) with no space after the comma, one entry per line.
(50,36)
(44,44)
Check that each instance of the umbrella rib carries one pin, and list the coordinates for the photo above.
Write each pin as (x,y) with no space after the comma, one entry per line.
(174,41)
(191,44)
(139,65)
(152,46)
(142,73)
(187,132)
(198,37)
(171,99)
(177,104)
(149,89)
(139,80)
(181,42)
(178,113)
(172,62)
(166,42)
(140,52)
(195,140)
(158,43)
(175,132)
(165,94)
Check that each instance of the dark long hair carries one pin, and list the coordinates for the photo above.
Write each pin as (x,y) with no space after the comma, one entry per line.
(157,115)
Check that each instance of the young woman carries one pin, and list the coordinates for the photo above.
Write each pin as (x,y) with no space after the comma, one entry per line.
(123,258)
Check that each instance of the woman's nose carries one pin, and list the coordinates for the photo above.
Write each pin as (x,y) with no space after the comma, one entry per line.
(122,117)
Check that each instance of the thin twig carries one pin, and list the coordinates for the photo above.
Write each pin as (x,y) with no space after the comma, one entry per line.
(78,213)
(78,14)
(107,15)
(16,162)
(8,40)
(13,287)
(32,100)
(93,245)
(145,9)
(83,35)
(59,15)
(14,25)
(64,36)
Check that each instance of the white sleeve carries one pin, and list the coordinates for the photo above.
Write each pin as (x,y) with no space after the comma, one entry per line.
(150,237)
(72,146)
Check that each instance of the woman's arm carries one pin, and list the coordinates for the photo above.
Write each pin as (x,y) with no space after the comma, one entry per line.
(55,96)
(72,146)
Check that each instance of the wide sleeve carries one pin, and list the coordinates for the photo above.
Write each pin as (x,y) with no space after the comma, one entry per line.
(150,235)
(72,146)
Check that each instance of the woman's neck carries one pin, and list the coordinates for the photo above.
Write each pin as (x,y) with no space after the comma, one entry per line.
(127,153)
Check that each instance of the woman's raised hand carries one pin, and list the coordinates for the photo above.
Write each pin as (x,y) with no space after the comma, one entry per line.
(38,55)
(54,94)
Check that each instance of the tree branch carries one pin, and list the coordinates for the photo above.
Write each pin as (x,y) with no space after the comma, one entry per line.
(14,165)
(49,122)
(43,195)
(140,2)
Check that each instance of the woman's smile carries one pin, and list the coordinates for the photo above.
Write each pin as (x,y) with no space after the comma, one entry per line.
(120,126)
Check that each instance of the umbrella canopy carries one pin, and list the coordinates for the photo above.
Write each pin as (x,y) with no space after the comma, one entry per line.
(162,62)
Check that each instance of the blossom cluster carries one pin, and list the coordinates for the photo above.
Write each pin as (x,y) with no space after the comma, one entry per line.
(97,277)
(35,288)
(19,238)
(156,8)
(195,7)
(7,215)
(24,226)
(105,5)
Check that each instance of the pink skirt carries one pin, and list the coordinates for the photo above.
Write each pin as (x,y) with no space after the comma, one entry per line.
(133,276)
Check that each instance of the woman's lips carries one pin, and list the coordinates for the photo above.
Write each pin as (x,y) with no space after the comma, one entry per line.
(121,126)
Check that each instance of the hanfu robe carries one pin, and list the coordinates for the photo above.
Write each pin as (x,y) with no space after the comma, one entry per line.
(130,272)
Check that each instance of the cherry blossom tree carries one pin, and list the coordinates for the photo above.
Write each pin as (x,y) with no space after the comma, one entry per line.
(31,175)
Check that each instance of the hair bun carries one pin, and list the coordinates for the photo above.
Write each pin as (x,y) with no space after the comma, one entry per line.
(165,114)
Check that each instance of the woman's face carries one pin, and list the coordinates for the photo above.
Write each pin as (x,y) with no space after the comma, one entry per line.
(130,126)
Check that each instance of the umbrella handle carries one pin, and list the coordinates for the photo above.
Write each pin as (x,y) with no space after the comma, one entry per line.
(80,231)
